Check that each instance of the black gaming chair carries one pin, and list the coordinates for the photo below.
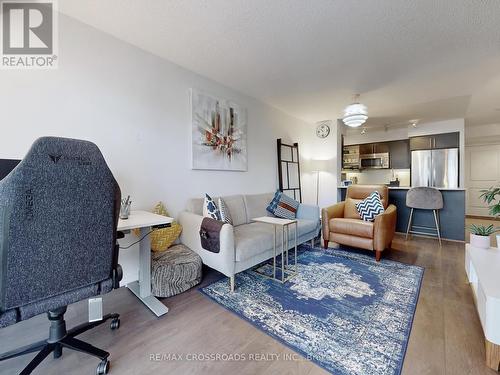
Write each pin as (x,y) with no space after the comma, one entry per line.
(58,218)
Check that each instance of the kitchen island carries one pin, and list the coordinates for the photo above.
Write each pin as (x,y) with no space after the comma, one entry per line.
(452,215)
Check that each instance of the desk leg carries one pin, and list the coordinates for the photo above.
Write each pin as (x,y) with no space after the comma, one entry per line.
(142,288)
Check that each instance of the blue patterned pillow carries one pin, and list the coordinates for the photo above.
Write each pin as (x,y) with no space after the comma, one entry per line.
(225,215)
(210,209)
(370,207)
(274,203)
(287,207)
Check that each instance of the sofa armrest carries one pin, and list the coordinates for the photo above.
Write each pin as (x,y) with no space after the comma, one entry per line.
(223,261)
(308,211)
(384,228)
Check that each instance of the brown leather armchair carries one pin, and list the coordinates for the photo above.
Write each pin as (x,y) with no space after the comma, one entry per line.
(342,224)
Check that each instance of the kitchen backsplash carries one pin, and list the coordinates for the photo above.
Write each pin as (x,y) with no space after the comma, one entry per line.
(381,176)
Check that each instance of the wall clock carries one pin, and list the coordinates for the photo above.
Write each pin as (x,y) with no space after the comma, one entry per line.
(322,130)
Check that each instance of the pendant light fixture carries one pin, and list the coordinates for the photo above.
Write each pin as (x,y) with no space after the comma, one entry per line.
(355,114)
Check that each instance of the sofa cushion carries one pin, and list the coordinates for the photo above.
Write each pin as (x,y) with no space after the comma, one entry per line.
(255,238)
(237,209)
(256,205)
(252,239)
(350,210)
(353,227)
(195,206)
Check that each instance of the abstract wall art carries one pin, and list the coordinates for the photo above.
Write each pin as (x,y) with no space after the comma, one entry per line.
(219,133)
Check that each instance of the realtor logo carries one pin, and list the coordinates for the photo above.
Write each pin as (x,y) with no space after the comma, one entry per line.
(28,34)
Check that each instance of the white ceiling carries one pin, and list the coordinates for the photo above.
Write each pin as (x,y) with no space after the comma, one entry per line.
(427,59)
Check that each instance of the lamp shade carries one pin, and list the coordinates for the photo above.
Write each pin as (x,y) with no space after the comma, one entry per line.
(355,115)
(318,165)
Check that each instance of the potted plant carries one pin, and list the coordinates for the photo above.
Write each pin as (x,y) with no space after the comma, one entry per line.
(480,235)
(489,196)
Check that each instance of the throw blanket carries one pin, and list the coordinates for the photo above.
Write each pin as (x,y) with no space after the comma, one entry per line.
(210,234)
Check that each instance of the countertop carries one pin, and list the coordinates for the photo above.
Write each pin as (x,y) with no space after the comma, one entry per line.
(409,187)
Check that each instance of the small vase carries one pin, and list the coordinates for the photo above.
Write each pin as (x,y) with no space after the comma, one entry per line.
(498,241)
(482,242)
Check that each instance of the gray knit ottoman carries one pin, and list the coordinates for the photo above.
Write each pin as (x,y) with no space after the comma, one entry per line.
(174,271)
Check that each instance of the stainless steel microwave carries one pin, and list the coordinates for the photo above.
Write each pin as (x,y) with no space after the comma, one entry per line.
(374,161)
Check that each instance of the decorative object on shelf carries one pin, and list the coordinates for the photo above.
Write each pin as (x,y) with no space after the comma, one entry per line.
(489,196)
(480,235)
(289,169)
(125,208)
(162,239)
(355,114)
(323,129)
(219,133)
(318,166)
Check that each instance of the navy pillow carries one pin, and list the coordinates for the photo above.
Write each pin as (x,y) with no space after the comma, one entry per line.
(274,203)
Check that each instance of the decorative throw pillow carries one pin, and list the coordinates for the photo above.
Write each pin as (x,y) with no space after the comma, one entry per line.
(224,212)
(287,207)
(370,207)
(162,239)
(210,209)
(274,203)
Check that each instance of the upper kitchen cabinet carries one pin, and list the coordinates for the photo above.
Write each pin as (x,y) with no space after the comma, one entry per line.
(436,141)
(399,153)
(447,140)
(373,148)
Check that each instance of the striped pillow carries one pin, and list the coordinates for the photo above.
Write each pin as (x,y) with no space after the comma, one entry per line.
(274,203)
(286,207)
(370,207)
(225,215)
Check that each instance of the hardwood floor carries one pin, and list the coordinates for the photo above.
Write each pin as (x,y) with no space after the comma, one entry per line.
(446,337)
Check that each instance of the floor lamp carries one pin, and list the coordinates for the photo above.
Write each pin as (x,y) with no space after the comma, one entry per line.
(318,166)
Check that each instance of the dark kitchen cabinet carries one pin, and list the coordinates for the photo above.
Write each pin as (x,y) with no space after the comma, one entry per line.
(429,142)
(399,153)
(374,148)
(366,149)
(448,140)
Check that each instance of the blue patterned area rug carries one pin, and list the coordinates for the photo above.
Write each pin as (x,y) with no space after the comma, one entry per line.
(344,311)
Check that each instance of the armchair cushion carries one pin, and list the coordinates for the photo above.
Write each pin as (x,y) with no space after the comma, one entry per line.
(353,227)
(350,210)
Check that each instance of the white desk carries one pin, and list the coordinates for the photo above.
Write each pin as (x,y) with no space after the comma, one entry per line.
(483,271)
(144,221)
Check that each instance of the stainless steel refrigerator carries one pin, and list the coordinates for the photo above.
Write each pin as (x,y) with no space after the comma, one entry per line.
(436,168)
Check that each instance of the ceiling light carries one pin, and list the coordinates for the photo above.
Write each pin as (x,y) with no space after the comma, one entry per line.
(355,114)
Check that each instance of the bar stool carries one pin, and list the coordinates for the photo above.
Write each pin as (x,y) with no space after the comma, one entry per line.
(424,198)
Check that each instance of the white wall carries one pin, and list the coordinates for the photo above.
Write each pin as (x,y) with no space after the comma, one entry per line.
(135,107)
(314,148)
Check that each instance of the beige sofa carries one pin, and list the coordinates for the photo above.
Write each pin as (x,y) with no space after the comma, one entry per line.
(245,243)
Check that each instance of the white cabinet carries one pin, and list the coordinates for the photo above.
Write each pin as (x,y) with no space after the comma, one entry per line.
(482,171)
